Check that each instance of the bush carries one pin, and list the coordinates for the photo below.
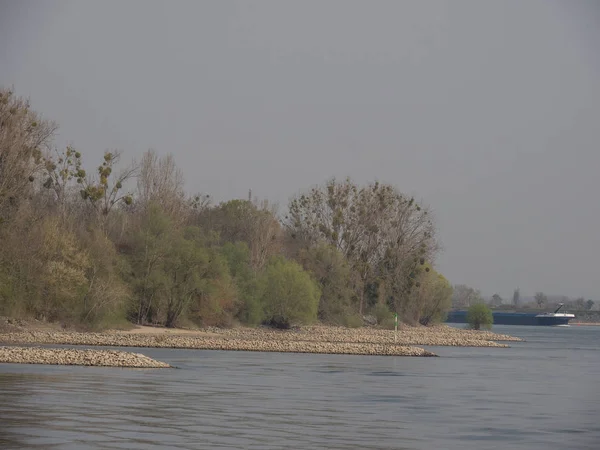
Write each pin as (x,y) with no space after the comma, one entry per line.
(479,315)
(383,315)
(330,268)
(353,321)
(289,294)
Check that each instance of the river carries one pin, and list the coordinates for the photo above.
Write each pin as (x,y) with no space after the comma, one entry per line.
(538,394)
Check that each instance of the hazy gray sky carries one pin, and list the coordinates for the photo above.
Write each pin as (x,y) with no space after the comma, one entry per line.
(487,110)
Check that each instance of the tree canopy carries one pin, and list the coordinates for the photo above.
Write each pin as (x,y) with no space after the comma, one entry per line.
(95,239)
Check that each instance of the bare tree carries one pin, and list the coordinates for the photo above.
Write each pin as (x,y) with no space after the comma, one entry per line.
(24,138)
(102,193)
(161,182)
(375,227)
(464,296)
(497,300)
(540,299)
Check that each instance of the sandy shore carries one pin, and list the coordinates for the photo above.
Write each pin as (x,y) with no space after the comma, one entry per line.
(76,357)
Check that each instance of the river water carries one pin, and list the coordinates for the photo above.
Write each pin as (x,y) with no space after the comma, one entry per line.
(539,394)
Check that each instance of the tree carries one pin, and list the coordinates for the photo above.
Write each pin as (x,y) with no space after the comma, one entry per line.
(103,195)
(516,298)
(540,299)
(579,303)
(435,297)
(24,139)
(497,300)
(160,182)
(251,311)
(61,170)
(249,222)
(589,304)
(479,315)
(374,227)
(146,248)
(289,294)
(332,272)
(464,296)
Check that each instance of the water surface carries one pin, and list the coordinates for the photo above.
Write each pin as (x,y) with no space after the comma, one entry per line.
(539,394)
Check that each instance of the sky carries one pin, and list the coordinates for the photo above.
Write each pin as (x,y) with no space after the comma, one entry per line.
(487,111)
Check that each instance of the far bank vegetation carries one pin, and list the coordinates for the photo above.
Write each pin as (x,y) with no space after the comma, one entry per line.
(97,241)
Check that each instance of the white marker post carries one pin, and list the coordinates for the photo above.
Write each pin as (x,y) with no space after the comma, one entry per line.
(395,328)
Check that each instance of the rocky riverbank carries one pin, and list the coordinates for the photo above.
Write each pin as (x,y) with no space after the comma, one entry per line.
(315,339)
(77,357)
(441,335)
(211,343)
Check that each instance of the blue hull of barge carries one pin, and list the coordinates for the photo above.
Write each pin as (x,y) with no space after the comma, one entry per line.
(510,318)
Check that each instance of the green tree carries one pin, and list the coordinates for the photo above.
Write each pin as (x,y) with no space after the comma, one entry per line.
(146,249)
(245,221)
(289,293)
(251,311)
(332,272)
(435,297)
(479,315)
(215,298)
(183,282)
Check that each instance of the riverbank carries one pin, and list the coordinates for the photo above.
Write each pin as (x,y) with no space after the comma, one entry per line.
(76,357)
(310,339)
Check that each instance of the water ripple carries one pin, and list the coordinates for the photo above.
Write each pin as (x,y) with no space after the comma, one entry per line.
(526,397)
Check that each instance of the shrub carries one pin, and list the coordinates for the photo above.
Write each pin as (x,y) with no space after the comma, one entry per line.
(353,321)
(383,315)
(289,294)
(479,315)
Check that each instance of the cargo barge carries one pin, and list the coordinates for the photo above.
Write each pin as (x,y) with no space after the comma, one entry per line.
(515,318)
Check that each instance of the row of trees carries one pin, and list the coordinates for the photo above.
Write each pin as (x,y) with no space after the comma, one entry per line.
(99,246)
(465,296)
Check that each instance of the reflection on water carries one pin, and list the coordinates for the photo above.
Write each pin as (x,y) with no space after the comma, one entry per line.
(540,394)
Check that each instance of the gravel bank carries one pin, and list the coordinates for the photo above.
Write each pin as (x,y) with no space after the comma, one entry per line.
(77,357)
(315,339)
(433,336)
(264,344)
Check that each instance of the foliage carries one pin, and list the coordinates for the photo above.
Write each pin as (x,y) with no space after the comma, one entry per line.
(435,298)
(237,255)
(245,221)
(479,315)
(289,294)
(101,193)
(383,314)
(332,272)
(382,233)
(79,248)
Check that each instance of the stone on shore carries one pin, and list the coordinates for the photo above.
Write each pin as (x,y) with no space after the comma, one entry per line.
(77,357)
